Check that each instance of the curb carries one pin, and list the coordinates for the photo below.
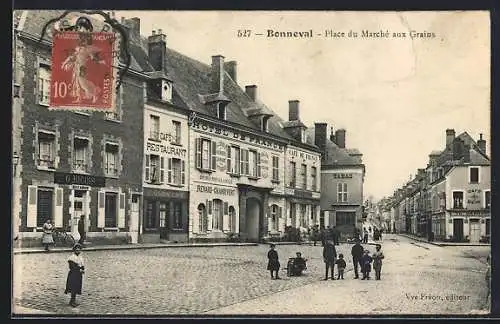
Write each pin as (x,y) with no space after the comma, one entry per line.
(442,243)
(133,247)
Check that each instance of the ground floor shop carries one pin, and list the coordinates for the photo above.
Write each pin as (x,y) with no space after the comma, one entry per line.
(165,216)
(345,219)
(470,226)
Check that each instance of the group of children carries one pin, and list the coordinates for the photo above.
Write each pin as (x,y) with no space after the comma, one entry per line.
(366,262)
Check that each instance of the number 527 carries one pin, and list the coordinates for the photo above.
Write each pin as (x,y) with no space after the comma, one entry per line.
(244,32)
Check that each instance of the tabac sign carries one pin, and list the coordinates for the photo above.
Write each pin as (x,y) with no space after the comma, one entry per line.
(83,76)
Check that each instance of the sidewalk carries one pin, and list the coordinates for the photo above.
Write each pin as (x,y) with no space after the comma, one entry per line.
(128,247)
(437,243)
(18,311)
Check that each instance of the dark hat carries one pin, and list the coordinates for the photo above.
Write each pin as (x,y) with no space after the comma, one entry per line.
(272,245)
(77,246)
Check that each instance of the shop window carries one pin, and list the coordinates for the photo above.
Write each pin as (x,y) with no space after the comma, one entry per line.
(111,159)
(46,150)
(313,214)
(276,166)
(342,192)
(345,218)
(176,213)
(154,127)
(150,221)
(163,215)
(202,218)
(44,73)
(217,214)
(232,219)
(206,154)
(458,200)
(80,154)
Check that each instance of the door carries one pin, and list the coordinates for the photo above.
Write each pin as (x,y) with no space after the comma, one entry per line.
(458,229)
(252,219)
(44,206)
(163,220)
(474,231)
(79,202)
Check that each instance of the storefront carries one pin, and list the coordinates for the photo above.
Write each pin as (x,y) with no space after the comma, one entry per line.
(468,225)
(303,208)
(165,215)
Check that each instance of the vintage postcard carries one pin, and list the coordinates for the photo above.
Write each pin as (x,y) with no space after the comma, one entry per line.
(210,163)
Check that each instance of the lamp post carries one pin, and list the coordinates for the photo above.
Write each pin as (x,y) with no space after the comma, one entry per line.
(15,161)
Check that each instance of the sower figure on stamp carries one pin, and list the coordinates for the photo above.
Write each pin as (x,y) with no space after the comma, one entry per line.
(273,264)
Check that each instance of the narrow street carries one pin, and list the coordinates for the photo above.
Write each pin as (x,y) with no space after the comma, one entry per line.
(417,278)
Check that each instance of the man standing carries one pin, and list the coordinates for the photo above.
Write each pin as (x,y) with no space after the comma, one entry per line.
(335,234)
(329,256)
(81,229)
(357,253)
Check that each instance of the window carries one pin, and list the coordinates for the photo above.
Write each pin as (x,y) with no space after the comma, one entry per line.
(487,199)
(206,154)
(313,179)
(303,174)
(473,175)
(232,219)
(110,209)
(177,214)
(177,132)
(221,111)
(176,172)
(276,166)
(46,150)
(233,160)
(264,122)
(302,216)
(217,214)
(116,115)
(293,212)
(80,154)
(163,215)
(274,218)
(111,160)
(345,218)
(203,219)
(302,135)
(293,176)
(154,171)
(252,162)
(154,127)
(313,214)
(244,165)
(44,84)
(342,192)
(458,200)
(150,222)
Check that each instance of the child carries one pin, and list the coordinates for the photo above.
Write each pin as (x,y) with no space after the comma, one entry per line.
(299,265)
(340,266)
(75,274)
(366,265)
(273,264)
(377,261)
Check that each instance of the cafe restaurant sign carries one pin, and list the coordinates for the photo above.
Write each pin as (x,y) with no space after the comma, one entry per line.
(79,179)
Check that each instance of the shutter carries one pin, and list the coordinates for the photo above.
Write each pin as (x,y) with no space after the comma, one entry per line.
(162,169)
(209,215)
(242,161)
(183,172)
(121,211)
(237,160)
(58,210)
(225,218)
(213,164)
(147,172)
(280,211)
(169,169)
(100,210)
(258,165)
(229,159)
(32,206)
(198,153)
(247,169)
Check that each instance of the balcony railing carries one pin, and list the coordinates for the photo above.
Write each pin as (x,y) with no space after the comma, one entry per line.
(46,162)
(154,135)
(111,171)
(80,165)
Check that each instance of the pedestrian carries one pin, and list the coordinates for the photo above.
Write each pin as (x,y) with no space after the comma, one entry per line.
(329,256)
(75,274)
(366,265)
(357,235)
(365,237)
(81,229)
(315,234)
(322,234)
(357,252)
(377,261)
(340,266)
(273,264)
(336,235)
(299,265)
(47,236)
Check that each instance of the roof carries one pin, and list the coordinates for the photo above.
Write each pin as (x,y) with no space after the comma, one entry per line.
(353,151)
(334,154)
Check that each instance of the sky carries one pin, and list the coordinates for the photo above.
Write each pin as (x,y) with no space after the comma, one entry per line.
(395,96)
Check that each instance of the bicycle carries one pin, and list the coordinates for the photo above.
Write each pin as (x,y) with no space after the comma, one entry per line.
(64,238)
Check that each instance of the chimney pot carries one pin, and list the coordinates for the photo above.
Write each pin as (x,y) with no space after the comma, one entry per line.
(450,136)
(157,49)
(293,110)
(154,32)
(340,138)
(320,130)
(481,143)
(480,136)
(160,31)
(251,91)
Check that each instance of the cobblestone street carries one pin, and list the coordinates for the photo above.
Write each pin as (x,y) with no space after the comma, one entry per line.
(234,280)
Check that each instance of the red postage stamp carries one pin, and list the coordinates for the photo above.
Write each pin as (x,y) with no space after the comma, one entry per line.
(83,71)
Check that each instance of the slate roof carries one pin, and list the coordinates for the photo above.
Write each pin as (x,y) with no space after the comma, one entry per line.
(334,154)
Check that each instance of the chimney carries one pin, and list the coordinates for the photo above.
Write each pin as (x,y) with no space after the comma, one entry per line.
(293,111)
(340,137)
(481,143)
(134,27)
(251,91)
(450,136)
(332,135)
(458,149)
(230,68)
(157,48)
(217,74)
(320,136)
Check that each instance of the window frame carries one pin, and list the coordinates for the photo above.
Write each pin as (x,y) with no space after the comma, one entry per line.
(464,202)
(154,122)
(303,174)
(43,65)
(342,192)
(202,218)
(86,154)
(276,175)
(478,174)
(314,178)
(116,160)
(293,174)
(177,138)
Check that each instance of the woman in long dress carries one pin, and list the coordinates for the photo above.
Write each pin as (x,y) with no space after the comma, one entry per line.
(75,274)
(47,238)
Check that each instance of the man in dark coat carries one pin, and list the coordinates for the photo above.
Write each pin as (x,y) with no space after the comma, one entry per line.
(273,264)
(329,256)
(81,229)
(356,252)
(335,235)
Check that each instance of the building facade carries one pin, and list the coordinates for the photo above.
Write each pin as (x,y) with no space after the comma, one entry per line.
(77,163)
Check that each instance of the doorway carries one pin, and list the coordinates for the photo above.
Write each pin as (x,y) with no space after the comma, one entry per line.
(252,219)
(458,229)
(474,231)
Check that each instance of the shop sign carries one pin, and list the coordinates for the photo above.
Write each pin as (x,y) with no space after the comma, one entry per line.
(302,155)
(342,175)
(469,213)
(215,190)
(474,196)
(210,178)
(161,148)
(79,179)
(171,194)
(303,194)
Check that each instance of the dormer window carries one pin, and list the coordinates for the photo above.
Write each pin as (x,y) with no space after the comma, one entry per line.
(166,90)
(221,111)
(302,135)
(264,124)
